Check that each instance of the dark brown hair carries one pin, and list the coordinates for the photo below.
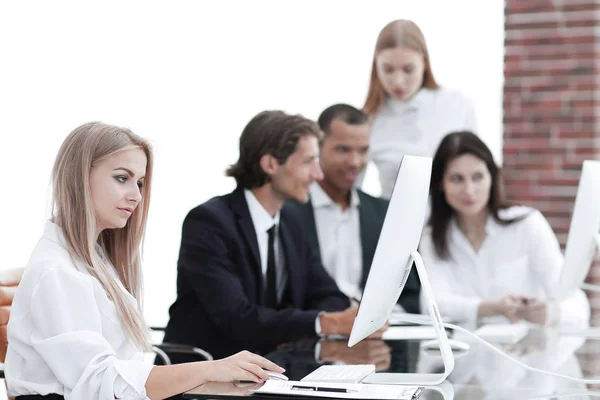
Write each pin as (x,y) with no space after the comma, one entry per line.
(452,146)
(401,32)
(270,132)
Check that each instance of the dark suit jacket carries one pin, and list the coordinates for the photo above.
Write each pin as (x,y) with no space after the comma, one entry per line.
(219,305)
(372,212)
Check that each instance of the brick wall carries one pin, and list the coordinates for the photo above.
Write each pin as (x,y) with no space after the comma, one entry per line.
(551,107)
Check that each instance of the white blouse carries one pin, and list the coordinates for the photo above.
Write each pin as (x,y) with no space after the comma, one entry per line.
(416,127)
(64,334)
(522,259)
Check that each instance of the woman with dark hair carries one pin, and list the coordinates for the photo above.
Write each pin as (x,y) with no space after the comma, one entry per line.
(486,258)
(410,111)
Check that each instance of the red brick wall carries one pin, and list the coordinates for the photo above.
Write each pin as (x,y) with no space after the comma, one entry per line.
(551,108)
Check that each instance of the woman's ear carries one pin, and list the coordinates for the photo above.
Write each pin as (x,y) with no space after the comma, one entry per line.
(269,164)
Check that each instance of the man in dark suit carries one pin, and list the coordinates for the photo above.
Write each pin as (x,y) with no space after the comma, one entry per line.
(343,223)
(247,277)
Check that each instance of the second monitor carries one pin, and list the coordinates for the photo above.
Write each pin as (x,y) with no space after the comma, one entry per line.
(584,233)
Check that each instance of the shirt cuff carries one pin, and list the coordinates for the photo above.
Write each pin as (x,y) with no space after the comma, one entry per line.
(131,380)
(318,352)
(572,313)
(468,310)
(318,324)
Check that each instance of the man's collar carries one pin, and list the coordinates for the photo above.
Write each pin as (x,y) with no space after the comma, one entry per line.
(262,220)
(320,198)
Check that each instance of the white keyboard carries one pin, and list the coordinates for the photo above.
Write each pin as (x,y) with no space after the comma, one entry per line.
(340,373)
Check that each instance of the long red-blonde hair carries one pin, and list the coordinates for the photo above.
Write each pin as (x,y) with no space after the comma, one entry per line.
(401,32)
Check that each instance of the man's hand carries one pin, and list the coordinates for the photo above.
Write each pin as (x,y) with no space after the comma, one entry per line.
(365,352)
(338,323)
(379,332)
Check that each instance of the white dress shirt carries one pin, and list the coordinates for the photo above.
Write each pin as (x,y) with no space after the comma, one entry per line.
(339,239)
(64,333)
(522,259)
(263,221)
(416,127)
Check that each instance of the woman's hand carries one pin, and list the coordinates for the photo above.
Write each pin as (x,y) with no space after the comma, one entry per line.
(534,310)
(243,366)
(507,306)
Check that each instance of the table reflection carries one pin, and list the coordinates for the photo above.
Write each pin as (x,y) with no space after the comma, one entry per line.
(482,373)
(479,373)
(302,357)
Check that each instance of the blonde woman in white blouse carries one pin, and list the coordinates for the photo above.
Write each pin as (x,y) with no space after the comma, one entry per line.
(484,258)
(410,112)
(76,329)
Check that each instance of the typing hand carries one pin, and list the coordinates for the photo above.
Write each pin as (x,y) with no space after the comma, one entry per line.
(379,333)
(533,310)
(243,366)
(339,323)
(365,352)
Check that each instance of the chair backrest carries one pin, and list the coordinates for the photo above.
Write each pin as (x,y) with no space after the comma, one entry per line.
(9,280)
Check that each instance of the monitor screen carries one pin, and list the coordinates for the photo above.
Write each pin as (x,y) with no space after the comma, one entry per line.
(583,233)
(400,236)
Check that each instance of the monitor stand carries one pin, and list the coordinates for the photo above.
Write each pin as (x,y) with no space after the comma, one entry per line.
(590,286)
(392,378)
(445,389)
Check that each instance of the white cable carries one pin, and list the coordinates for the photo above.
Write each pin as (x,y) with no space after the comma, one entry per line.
(569,394)
(590,287)
(421,321)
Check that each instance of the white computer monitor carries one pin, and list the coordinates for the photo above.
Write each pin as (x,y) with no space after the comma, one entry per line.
(584,233)
(396,250)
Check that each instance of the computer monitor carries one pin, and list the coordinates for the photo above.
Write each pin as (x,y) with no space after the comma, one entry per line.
(392,262)
(584,233)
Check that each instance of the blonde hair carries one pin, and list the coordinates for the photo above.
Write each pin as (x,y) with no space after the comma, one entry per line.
(72,210)
(401,32)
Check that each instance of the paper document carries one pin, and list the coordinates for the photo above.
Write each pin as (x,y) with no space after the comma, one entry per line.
(338,390)
(399,318)
(409,332)
(592,332)
(340,373)
(503,333)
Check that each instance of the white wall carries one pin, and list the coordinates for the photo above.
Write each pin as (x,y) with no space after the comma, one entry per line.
(188,75)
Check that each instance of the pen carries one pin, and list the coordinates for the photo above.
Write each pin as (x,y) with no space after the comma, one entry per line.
(354,299)
(323,389)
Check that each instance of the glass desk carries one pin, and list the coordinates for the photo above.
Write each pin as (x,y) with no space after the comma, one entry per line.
(479,373)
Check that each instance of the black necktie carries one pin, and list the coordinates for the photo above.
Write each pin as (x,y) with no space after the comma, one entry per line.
(271,300)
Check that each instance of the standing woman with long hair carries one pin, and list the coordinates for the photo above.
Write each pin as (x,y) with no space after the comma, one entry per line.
(410,112)
(76,329)
(484,257)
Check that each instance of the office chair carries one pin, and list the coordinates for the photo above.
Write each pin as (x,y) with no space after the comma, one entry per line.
(9,280)
(163,349)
